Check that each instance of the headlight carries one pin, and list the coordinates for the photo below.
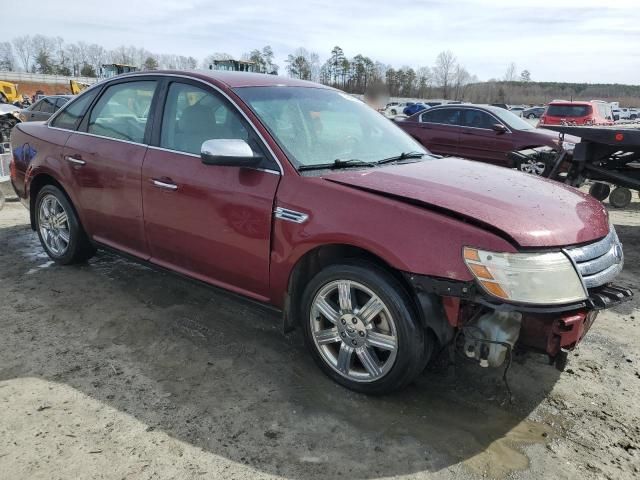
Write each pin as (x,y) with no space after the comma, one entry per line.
(539,278)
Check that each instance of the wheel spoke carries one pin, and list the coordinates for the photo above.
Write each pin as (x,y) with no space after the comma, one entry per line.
(380,340)
(369,361)
(372,308)
(58,244)
(61,219)
(330,335)
(344,295)
(344,359)
(327,310)
(64,235)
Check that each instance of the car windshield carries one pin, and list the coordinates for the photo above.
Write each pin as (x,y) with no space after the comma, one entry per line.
(568,110)
(512,120)
(317,126)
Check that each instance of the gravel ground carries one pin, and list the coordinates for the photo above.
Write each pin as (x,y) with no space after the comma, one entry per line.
(112,370)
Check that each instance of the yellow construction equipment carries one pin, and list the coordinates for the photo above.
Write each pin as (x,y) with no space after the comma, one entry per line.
(77,87)
(9,92)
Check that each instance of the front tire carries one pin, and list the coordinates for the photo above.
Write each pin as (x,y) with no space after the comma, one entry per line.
(59,229)
(361,328)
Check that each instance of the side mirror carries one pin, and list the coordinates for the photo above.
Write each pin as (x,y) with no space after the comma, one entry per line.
(499,128)
(228,153)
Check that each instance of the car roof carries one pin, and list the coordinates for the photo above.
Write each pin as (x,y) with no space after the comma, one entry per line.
(234,79)
(488,108)
(567,102)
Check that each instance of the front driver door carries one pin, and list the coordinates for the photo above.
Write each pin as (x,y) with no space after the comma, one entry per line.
(210,222)
(479,140)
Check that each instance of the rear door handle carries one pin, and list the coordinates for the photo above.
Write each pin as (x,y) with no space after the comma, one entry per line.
(74,160)
(164,184)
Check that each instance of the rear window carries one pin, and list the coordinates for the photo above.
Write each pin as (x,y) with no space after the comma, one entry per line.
(568,110)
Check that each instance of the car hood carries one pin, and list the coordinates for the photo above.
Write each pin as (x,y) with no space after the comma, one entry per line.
(529,211)
(8,108)
(553,135)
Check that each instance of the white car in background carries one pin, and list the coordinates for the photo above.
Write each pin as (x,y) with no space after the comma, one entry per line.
(622,114)
(394,109)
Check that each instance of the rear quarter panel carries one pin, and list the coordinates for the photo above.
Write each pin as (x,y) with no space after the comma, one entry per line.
(36,149)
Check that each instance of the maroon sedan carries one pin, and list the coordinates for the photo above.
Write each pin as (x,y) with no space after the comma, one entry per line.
(481,132)
(302,197)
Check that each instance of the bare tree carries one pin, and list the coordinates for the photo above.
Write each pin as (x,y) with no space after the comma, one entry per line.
(24,50)
(6,57)
(511,75)
(525,76)
(444,71)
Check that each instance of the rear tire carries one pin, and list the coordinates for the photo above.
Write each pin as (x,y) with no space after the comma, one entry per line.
(59,229)
(361,329)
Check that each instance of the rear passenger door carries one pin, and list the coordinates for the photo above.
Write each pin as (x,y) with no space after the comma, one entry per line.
(105,157)
(438,129)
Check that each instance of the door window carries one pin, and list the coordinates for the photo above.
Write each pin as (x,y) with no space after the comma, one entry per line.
(445,116)
(37,106)
(70,117)
(122,111)
(61,101)
(48,105)
(478,119)
(193,115)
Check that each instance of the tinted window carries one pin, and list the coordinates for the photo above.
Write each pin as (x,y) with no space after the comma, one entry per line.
(478,119)
(122,111)
(36,106)
(69,118)
(447,116)
(48,105)
(193,115)
(61,101)
(568,110)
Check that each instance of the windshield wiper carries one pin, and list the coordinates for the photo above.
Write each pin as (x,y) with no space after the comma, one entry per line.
(402,156)
(338,164)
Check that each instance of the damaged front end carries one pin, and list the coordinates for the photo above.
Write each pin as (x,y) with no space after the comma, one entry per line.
(540,301)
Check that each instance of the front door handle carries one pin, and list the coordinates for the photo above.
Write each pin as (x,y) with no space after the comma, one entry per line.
(75,160)
(164,184)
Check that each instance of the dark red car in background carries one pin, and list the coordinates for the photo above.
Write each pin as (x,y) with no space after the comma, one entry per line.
(302,197)
(481,132)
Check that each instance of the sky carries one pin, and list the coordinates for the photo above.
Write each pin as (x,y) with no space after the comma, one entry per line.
(594,41)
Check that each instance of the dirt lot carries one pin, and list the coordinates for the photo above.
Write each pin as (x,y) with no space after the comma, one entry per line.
(112,370)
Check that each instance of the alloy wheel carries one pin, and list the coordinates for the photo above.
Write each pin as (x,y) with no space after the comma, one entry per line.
(534,167)
(53,223)
(353,330)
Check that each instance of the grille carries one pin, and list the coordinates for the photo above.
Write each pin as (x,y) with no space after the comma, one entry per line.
(600,262)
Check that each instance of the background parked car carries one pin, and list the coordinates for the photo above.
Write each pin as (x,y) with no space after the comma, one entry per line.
(480,132)
(414,108)
(43,108)
(578,113)
(394,108)
(516,110)
(533,112)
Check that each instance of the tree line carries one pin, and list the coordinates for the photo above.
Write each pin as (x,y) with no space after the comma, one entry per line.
(446,78)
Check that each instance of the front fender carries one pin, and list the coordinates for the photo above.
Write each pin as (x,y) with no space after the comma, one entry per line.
(407,237)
